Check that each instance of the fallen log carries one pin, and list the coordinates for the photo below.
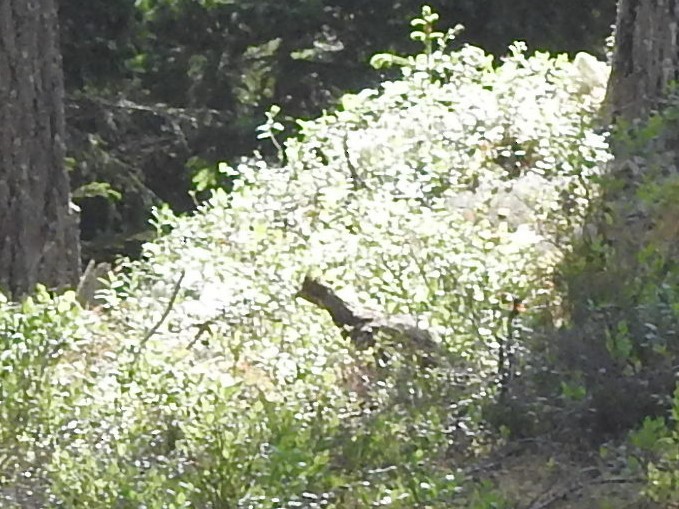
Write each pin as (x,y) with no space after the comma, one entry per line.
(362,326)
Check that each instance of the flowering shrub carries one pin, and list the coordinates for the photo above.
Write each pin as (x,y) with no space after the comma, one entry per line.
(438,196)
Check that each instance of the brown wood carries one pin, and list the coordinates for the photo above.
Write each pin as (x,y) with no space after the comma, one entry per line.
(646,57)
(38,225)
(362,326)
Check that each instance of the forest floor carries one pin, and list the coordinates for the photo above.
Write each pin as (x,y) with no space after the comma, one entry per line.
(540,474)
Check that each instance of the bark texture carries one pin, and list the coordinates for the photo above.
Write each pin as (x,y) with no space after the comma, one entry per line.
(643,81)
(362,325)
(646,58)
(38,225)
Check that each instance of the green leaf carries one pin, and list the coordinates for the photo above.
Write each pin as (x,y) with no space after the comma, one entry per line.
(94,189)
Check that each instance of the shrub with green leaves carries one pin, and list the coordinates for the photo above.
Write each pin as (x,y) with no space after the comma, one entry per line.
(44,343)
(438,196)
(616,359)
(661,440)
(632,282)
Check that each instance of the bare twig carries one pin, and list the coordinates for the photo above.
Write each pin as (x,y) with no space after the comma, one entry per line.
(156,326)
(202,328)
(356,179)
(89,282)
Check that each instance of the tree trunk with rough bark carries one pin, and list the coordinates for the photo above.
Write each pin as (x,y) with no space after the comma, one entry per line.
(38,225)
(645,70)
(646,58)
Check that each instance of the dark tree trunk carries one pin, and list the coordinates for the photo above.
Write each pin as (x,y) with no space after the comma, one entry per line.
(646,57)
(645,67)
(38,226)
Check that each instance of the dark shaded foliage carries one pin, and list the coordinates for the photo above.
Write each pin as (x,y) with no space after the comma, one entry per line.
(97,36)
(197,53)
(232,59)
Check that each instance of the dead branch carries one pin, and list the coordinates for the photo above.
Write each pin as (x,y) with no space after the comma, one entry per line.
(166,313)
(362,325)
(90,282)
(356,179)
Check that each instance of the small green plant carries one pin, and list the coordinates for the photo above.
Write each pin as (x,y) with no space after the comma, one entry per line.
(661,440)
(208,176)
(424,31)
(434,44)
(487,496)
(651,436)
(271,128)
(93,189)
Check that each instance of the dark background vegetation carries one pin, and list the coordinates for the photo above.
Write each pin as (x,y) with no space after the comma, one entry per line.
(159,89)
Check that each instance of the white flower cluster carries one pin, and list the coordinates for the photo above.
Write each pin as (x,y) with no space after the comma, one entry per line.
(434,196)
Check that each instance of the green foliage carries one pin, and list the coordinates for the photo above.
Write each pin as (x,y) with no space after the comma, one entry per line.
(104,40)
(207,176)
(212,68)
(485,496)
(618,340)
(653,285)
(651,436)
(39,391)
(662,441)
(425,32)
(93,189)
(573,391)
(445,195)
(270,128)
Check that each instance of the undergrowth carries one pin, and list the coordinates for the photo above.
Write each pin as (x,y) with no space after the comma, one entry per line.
(200,379)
